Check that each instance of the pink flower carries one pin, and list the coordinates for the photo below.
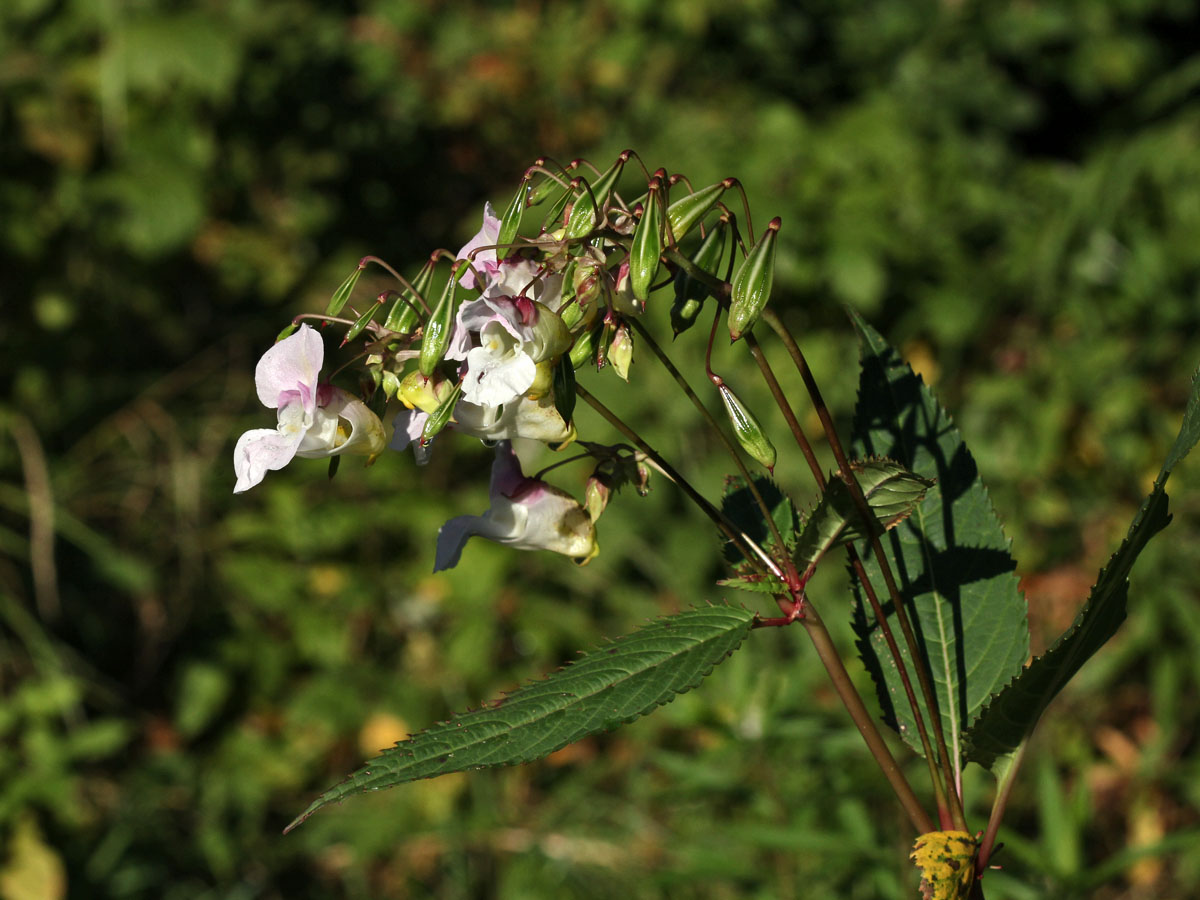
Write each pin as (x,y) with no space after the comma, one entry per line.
(315,420)
(525,513)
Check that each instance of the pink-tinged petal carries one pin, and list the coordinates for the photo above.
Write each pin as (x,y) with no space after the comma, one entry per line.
(259,451)
(507,477)
(487,235)
(293,364)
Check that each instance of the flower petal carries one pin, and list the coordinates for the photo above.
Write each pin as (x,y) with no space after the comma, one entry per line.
(293,362)
(488,234)
(493,379)
(261,450)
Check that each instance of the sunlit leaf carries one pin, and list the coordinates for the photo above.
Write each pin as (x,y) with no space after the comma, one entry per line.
(608,686)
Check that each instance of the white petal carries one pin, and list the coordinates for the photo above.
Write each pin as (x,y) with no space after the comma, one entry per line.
(259,451)
(492,380)
(293,362)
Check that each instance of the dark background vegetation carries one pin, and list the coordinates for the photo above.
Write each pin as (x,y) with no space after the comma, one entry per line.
(1009,192)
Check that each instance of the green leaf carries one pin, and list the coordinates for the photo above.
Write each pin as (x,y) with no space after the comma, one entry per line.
(613,684)
(892,492)
(740,507)
(950,557)
(1011,716)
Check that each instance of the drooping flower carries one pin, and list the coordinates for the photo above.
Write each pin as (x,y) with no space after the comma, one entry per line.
(315,420)
(525,513)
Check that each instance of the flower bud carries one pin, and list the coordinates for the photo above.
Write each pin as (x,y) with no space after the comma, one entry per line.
(647,243)
(686,212)
(426,394)
(749,432)
(437,330)
(596,494)
(620,351)
(752,283)
(689,292)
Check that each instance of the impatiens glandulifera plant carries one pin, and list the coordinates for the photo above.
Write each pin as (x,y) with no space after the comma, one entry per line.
(560,284)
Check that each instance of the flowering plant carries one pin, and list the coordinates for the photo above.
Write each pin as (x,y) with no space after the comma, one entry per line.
(572,276)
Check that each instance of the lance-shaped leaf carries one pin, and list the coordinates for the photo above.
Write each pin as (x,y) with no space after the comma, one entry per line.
(892,493)
(950,557)
(1009,717)
(742,510)
(611,685)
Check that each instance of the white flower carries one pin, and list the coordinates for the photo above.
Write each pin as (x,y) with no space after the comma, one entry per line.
(525,513)
(315,420)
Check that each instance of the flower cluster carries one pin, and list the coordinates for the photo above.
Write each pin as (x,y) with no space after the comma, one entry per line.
(493,355)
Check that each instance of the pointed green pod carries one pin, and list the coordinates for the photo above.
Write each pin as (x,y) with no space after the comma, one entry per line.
(749,432)
(564,389)
(589,205)
(647,242)
(437,330)
(685,213)
(689,292)
(363,320)
(288,330)
(440,417)
(553,221)
(345,289)
(405,313)
(584,348)
(510,222)
(752,283)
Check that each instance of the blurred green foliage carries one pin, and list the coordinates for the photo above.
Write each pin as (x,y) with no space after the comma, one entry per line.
(1010,192)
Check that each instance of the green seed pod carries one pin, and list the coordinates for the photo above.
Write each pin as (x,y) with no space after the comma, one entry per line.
(510,222)
(437,330)
(361,322)
(752,283)
(405,313)
(689,292)
(749,432)
(440,417)
(554,219)
(288,330)
(589,205)
(345,289)
(584,348)
(685,213)
(647,242)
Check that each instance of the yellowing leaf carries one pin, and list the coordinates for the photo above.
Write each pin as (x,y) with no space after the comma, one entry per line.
(947,863)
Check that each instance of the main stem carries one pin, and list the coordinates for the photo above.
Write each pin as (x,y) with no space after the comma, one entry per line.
(832,660)
(935,778)
(864,510)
